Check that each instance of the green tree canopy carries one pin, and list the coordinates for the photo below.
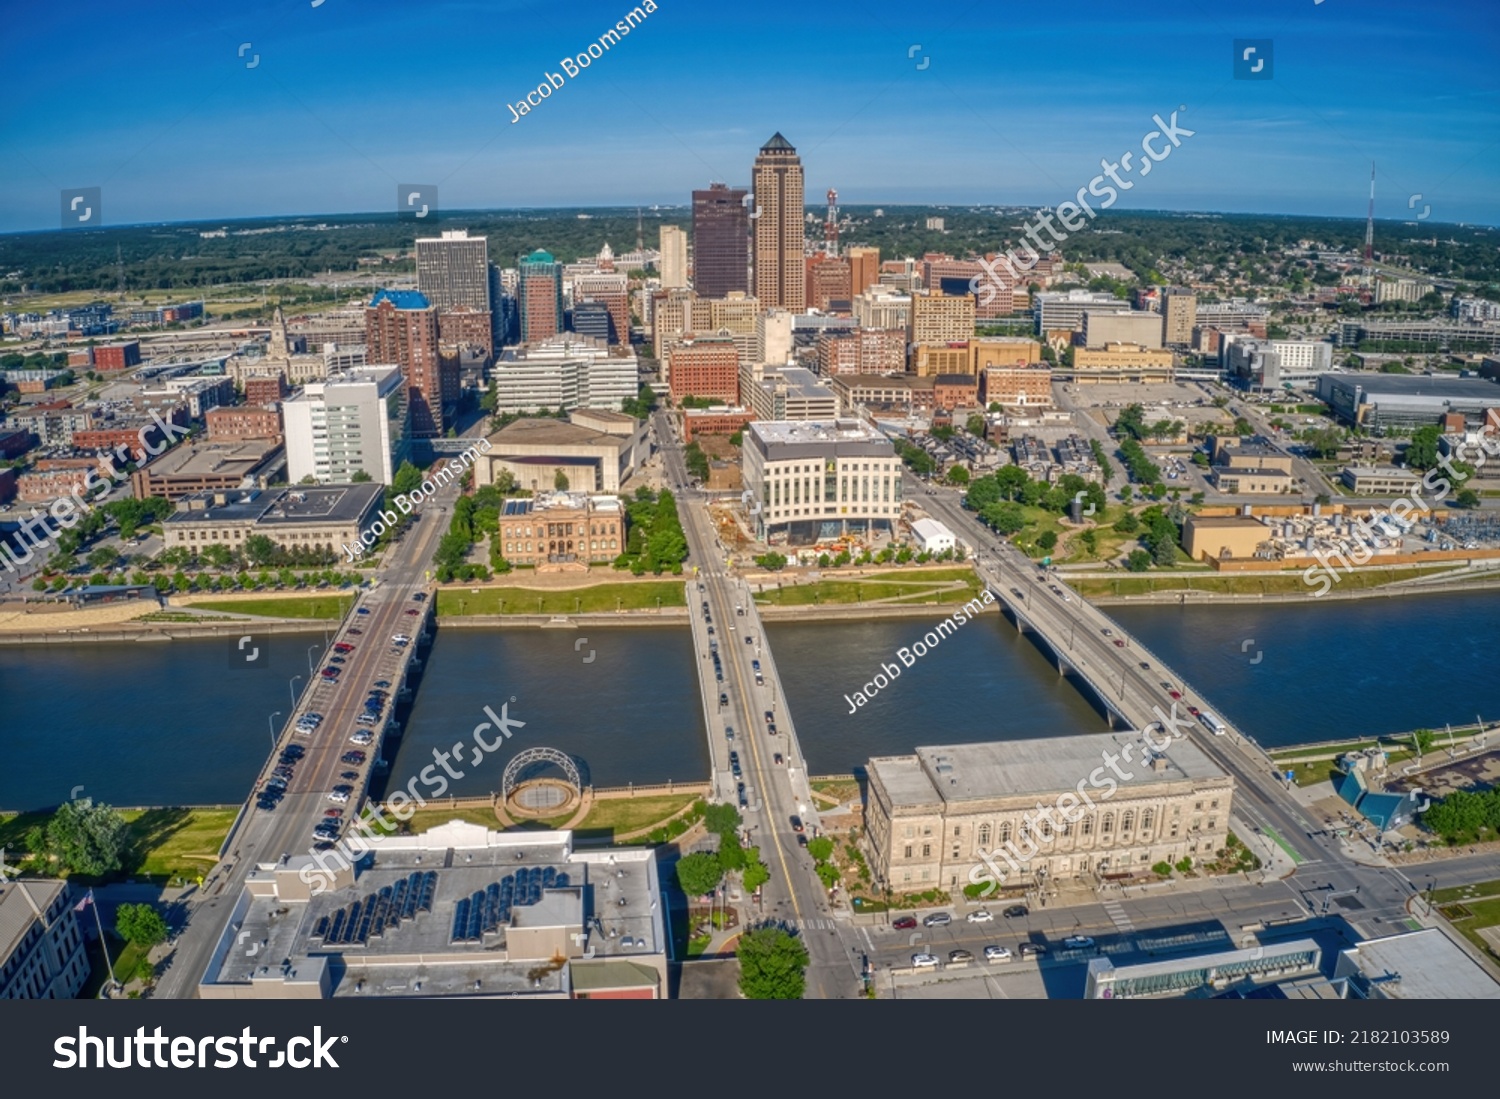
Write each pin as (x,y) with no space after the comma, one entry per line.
(140,924)
(773,964)
(699,873)
(86,838)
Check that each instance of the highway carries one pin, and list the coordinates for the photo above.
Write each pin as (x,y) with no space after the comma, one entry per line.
(794,895)
(264,836)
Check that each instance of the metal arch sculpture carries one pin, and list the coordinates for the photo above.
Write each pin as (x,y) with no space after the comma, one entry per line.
(538,755)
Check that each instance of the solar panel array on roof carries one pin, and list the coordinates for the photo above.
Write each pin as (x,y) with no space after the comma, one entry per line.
(484,911)
(372,915)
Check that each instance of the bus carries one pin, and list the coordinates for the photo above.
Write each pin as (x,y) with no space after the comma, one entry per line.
(1211,723)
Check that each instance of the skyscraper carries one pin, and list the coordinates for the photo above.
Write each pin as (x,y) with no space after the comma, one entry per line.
(780,278)
(453,270)
(721,227)
(864,266)
(673,258)
(401,327)
(541,297)
(1179,312)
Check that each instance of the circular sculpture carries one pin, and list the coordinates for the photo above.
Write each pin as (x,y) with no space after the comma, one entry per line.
(524,759)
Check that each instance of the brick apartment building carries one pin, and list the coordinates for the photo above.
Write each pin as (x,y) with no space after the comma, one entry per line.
(707,366)
(243,422)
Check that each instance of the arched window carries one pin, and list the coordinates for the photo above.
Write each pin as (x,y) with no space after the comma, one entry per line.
(1005,831)
(1127,820)
(1088,826)
(984,835)
(1024,832)
(1044,828)
(1107,824)
(1148,819)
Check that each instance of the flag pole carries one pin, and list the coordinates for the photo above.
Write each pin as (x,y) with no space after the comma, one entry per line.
(103,943)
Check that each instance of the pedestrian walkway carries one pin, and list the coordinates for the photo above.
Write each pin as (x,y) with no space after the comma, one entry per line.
(1118,916)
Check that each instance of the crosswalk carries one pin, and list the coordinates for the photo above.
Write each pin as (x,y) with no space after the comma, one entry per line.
(814,924)
(1117,914)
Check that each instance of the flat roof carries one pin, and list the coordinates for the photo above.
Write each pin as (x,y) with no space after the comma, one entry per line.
(543,431)
(1415,385)
(1224,522)
(1025,768)
(1421,965)
(233,458)
(282,507)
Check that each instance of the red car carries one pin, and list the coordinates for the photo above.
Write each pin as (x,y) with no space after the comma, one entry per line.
(1194,711)
(413,611)
(905,923)
(1119,643)
(1175,694)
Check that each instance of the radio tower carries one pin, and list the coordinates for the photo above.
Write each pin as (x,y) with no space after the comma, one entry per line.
(1370,225)
(831,226)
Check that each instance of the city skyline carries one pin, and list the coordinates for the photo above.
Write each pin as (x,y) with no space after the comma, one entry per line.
(1019,116)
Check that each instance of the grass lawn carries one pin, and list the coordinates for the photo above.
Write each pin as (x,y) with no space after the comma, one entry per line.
(312,606)
(600,598)
(838,790)
(163,842)
(1469,917)
(911,589)
(1476,891)
(1277,583)
(926,576)
(424,819)
(614,816)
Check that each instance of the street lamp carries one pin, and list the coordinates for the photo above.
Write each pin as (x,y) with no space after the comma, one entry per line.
(292,690)
(310,650)
(271,727)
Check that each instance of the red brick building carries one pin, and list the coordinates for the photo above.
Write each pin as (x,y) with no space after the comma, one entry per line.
(714,421)
(243,422)
(955,391)
(264,391)
(118,356)
(708,366)
(464,327)
(402,328)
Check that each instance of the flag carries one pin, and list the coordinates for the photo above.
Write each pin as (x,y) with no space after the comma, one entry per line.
(88,900)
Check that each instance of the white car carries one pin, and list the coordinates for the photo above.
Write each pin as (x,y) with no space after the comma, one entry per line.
(997,954)
(1078,942)
(982,916)
(337,795)
(924,961)
(361,737)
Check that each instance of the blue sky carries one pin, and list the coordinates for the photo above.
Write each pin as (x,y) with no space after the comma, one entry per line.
(1017,104)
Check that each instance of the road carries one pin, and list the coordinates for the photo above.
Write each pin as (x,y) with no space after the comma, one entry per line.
(264,836)
(794,895)
(1325,868)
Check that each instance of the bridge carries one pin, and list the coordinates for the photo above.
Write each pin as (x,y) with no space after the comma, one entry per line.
(264,835)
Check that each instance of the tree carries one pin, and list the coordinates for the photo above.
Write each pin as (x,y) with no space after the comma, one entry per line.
(821,848)
(1466,498)
(773,964)
(360,477)
(1046,541)
(140,924)
(103,558)
(259,550)
(975,425)
(1006,518)
(721,819)
(1422,740)
(1138,561)
(86,838)
(1422,450)
(756,873)
(560,481)
(958,475)
(407,477)
(771,562)
(699,873)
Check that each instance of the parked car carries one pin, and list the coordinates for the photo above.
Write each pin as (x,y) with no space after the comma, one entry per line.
(937,919)
(1033,950)
(1016,911)
(997,954)
(924,961)
(1078,942)
(904,923)
(983,915)
(957,956)
(796,824)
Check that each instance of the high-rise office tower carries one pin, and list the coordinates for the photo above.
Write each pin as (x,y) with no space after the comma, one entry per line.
(541,297)
(401,327)
(673,258)
(864,268)
(453,270)
(780,278)
(721,242)
(1179,313)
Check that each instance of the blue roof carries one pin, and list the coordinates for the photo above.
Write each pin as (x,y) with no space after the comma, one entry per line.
(539,256)
(401,299)
(1385,810)
(1349,785)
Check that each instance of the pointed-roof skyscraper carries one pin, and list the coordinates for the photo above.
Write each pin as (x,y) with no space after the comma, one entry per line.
(777,180)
